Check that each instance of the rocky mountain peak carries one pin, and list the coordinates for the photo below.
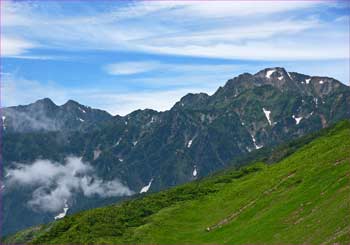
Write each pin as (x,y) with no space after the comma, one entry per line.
(193,100)
(70,104)
(281,79)
(278,77)
(45,101)
(42,105)
(273,73)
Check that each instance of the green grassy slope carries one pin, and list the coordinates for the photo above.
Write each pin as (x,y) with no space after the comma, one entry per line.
(304,198)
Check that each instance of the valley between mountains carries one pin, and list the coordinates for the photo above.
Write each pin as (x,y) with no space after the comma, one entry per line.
(92,159)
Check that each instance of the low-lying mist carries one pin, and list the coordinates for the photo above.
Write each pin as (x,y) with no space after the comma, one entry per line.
(54,183)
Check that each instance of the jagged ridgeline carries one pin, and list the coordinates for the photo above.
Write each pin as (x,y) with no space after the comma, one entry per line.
(302,198)
(148,150)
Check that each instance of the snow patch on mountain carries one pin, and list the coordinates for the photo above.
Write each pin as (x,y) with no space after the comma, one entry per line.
(82,110)
(189,143)
(254,142)
(297,119)
(118,142)
(195,172)
(280,78)
(267,115)
(146,188)
(321,82)
(269,73)
(308,80)
(3,122)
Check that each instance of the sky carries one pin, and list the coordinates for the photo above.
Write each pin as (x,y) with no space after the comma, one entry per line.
(126,55)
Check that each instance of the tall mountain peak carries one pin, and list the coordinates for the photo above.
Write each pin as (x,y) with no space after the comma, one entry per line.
(71,103)
(47,101)
(270,73)
(283,80)
(277,77)
(42,104)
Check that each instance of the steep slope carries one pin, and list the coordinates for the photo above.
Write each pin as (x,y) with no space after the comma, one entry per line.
(200,134)
(302,199)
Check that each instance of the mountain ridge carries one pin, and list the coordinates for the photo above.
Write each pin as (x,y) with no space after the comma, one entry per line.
(262,77)
(199,133)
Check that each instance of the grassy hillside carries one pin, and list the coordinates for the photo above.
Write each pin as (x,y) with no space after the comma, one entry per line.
(304,198)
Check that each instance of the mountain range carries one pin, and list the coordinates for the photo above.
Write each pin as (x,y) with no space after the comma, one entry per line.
(148,150)
(301,198)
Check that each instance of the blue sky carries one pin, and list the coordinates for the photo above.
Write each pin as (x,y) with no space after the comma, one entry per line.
(125,55)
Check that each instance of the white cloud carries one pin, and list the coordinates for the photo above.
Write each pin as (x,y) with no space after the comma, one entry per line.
(54,182)
(237,33)
(14,46)
(213,9)
(17,13)
(219,29)
(266,51)
(247,8)
(135,67)
(128,68)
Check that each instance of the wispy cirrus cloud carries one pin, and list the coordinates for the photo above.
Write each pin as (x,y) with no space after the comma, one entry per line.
(15,46)
(128,68)
(137,67)
(220,29)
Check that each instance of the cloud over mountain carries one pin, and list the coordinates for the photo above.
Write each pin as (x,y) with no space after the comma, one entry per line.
(53,182)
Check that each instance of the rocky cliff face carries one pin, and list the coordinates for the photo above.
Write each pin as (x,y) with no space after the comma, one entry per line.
(199,135)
